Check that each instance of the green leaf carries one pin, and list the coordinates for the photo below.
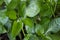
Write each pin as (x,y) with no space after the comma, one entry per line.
(45,22)
(8,25)
(28,22)
(29,25)
(54,25)
(55,36)
(21,8)
(16,28)
(27,37)
(7,1)
(2,29)
(11,14)
(39,29)
(3,17)
(58,1)
(13,4)
(45,10)
(47,7)
(32,9)
(31,37)
(1,1)
(29,29)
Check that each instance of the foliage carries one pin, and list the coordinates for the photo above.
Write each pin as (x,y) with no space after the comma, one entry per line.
(34,19)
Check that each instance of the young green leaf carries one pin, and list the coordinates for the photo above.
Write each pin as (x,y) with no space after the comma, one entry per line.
(39,29)
(31,37)
(16,28)
(11,14)
(2,29)
(28,22)
(21,8)
(1,1)
(13,4)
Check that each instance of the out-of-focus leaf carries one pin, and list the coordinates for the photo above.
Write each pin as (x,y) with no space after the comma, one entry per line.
(28,22)
(13,4)
(55,36)
(29,25)
(27,37)
(31,37)
(3,17)
(58,1)
(11,14)
(32,9)
(1,1)
(54,25)
(7,1)
(8,25)
(47,7)
(16,28)
(29,29)
(21,8)
(44,22)
(45,10)
(39,29)
(2,29)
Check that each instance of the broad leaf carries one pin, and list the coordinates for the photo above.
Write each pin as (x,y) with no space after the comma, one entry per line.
(16,28)
(11,14)
(47,7)
(8,25)
(54,25)
(7,1)
(31,37)
(1,1)
(3,17)
(21,8)
(45,10)
(29,29)
(39,29)
(32,9)
(13,4)
(28,22)
(2,29)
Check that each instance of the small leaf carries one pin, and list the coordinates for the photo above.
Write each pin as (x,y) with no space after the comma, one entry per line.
(8,25)
(3,17)
(28,22)
(27,37)
(13,4)
(46,10)
(39,29)
(32,9)
(31,37)
(29,29)
(11,14)
(16,28)
(2,29)
(21,8)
